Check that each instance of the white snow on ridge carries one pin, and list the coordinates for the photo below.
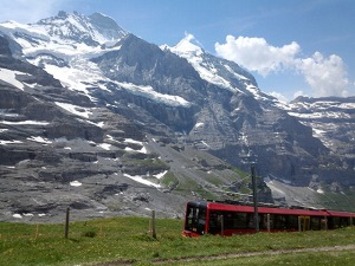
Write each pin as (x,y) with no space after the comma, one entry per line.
(315,115)
(17,216)
(347,106)
(238,76)
(75,183)
(206,144)
(207,70)
(105,146)
(142,150)
(98,124)
(75,109)
(143,181)
(200,124)
(161,175)
(193,53)
(81,75)
(64,51)
(129,140)
(320,191)
(256,92)
(9,76)
(185,47)
(40,140)
(10,27)
(8,113)
(210,74)
(6,142)
(26,122)
(318,132)
(322,105)
(148,91)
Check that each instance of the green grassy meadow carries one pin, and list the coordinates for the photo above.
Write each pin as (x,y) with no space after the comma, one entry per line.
(126,241)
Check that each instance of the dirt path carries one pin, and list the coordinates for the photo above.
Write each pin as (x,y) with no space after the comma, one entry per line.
(259,253)
(231,255)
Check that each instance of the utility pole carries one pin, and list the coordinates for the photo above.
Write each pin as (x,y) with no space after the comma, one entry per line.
(255,197)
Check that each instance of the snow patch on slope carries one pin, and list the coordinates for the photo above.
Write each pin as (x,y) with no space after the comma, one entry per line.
(9,76)
(140,179)
(149,92)
(75,109)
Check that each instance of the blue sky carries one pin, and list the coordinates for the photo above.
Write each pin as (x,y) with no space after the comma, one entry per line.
(292,47)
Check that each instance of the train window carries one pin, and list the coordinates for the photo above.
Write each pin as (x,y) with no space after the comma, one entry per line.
(292,222)
(190,217)
(344,221)
(316,223)
(335,222)
(214,224)
(280,222)
(195,219)
(201,222)
(240,220)
(250,220)
(231,220)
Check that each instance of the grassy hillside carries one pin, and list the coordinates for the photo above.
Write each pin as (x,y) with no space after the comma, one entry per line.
(126,240)
(339,201)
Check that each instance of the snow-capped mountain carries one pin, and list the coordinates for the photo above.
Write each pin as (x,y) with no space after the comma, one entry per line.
(222,73)
(85,102)
(70,29)
(332,120)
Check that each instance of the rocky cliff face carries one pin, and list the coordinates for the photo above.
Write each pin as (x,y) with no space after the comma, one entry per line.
(98,119)
(332,121)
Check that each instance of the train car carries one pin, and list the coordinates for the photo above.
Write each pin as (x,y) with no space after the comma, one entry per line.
(226,218)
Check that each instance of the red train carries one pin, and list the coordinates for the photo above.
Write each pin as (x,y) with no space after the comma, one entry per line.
(227,218)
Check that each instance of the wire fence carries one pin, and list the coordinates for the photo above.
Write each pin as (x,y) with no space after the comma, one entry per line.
(115,227)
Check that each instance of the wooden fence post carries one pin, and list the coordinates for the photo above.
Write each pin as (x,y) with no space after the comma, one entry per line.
(66,229)
(37,232)
(153,229)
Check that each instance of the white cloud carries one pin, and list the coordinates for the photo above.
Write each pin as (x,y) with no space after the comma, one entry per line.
(279,96)
(299,93)
(257,55)
(26,11)
(326,76)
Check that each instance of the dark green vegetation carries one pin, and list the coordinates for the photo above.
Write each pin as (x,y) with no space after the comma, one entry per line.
(126,240)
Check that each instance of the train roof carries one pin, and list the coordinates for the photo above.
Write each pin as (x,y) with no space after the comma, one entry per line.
(341,214)
(239,207)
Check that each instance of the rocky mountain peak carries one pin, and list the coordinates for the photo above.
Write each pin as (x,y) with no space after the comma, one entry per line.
(92,30)
(107,26)
(188,47)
